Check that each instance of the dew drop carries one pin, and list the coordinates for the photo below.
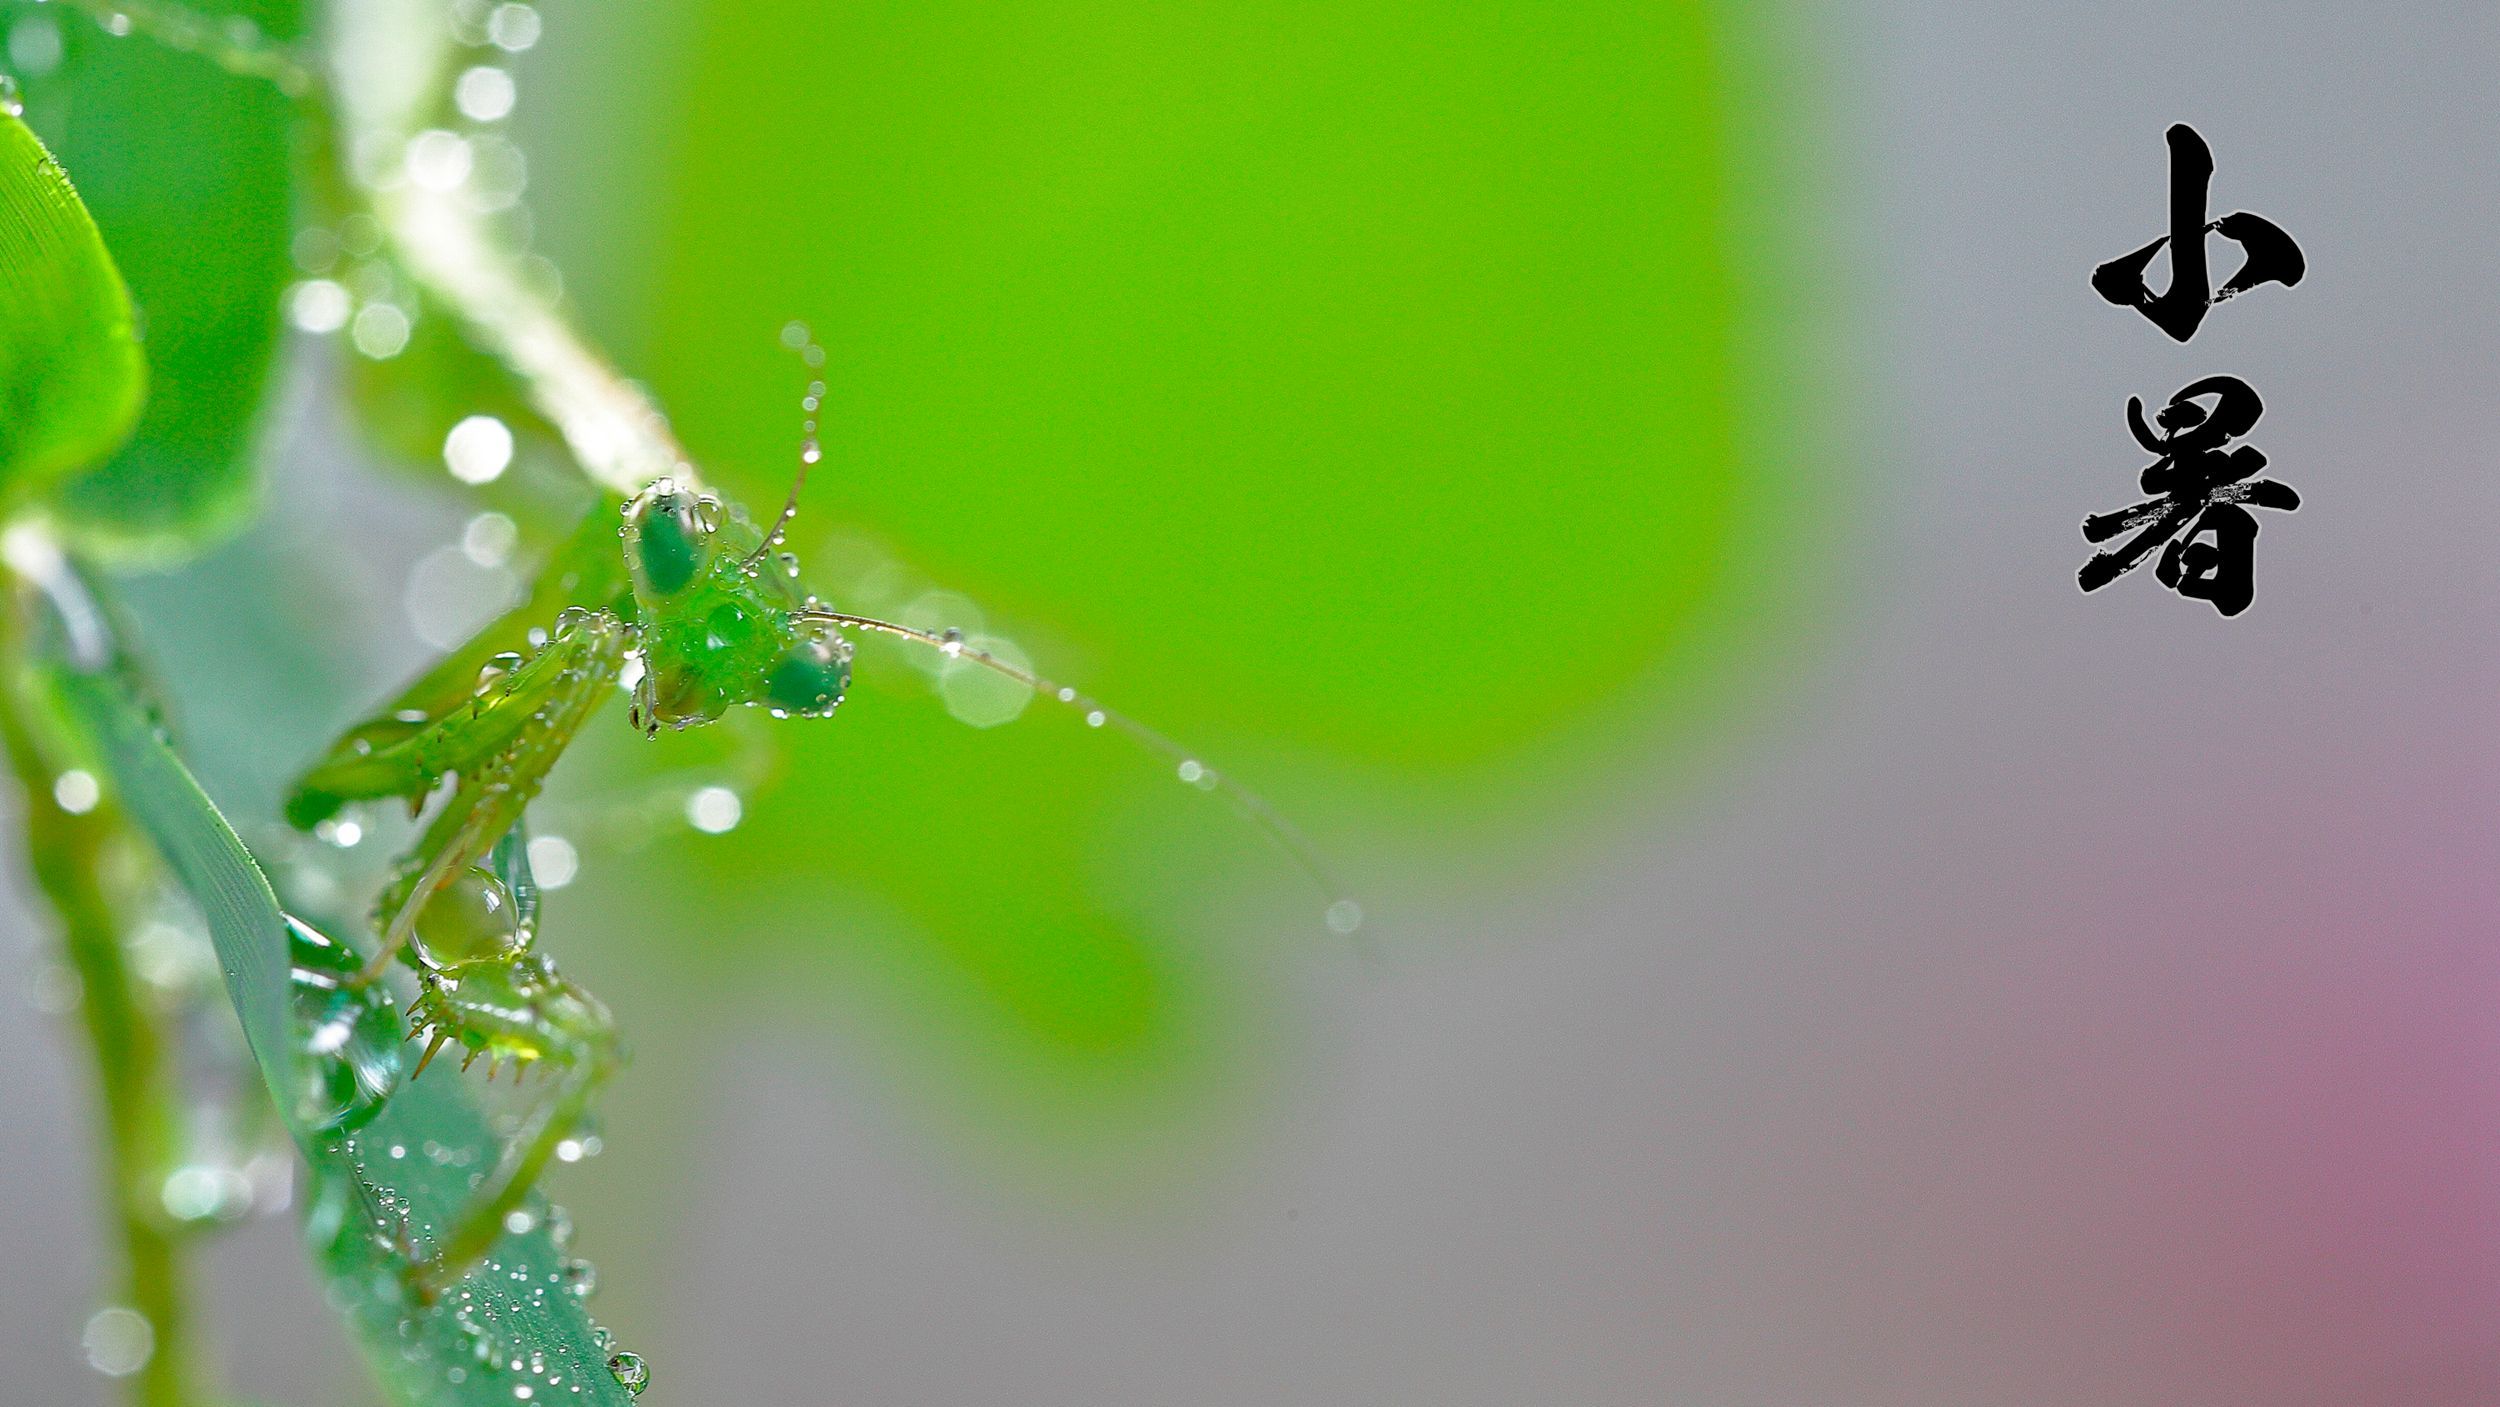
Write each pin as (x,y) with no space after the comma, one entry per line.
(489,539)
(478,449)
(380,330)
(1067,695)
(581,1277)
(319,306)
(1345,916)
(200,1192)
(351,1035)
(120,1341)
(630,1372)
(512,28)
(714,810)
(10,103)
(438,160)
(76,791)
(554,860)
(484,94)
(1096,718)
(1191,770)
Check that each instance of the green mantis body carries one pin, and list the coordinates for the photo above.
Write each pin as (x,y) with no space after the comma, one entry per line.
(707,605)
(714,625)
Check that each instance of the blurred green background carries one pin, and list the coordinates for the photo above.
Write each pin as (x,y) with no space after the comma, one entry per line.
(1357,392)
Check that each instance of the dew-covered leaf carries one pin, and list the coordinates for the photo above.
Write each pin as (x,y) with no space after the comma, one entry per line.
(518,1322)
(70,374)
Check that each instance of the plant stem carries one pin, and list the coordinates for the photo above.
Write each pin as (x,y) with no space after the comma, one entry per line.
(66,854)
(392,60)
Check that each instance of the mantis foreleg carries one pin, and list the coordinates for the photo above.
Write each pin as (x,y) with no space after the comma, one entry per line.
(502,750)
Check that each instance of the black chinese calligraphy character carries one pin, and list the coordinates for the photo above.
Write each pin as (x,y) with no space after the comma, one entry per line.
(2177,310)
(2202,487)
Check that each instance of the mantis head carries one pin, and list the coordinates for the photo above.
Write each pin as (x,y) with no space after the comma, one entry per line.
(720,622)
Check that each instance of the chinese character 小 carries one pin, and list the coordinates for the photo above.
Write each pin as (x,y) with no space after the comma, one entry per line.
(2272,257)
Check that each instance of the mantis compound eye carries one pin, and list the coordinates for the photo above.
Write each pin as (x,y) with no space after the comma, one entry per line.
(471,920)
(672,533)
(809,680)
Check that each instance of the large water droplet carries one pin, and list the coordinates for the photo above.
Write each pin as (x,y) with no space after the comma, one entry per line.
(630,1372)
(350,1055)
(473,919)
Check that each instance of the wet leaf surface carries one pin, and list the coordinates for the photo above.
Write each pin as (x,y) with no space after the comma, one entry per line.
(517,1328)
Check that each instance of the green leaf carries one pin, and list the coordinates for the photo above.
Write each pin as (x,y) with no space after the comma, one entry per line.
(189,171)
(516,1321)
(70,373)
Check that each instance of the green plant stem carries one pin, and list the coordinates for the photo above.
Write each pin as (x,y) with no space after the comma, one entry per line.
(66,853)
(392,61)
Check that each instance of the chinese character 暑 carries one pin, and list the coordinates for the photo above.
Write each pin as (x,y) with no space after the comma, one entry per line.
(2205,492)
(2271,255)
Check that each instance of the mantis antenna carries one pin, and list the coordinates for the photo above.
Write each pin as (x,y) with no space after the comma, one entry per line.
(796,337)
(1344,915)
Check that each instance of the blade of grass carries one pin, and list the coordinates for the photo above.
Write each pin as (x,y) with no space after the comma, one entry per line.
(518,1321)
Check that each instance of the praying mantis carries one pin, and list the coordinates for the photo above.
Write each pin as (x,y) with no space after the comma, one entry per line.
(707,605)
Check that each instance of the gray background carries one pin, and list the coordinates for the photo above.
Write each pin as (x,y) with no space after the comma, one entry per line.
(2052,1000)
